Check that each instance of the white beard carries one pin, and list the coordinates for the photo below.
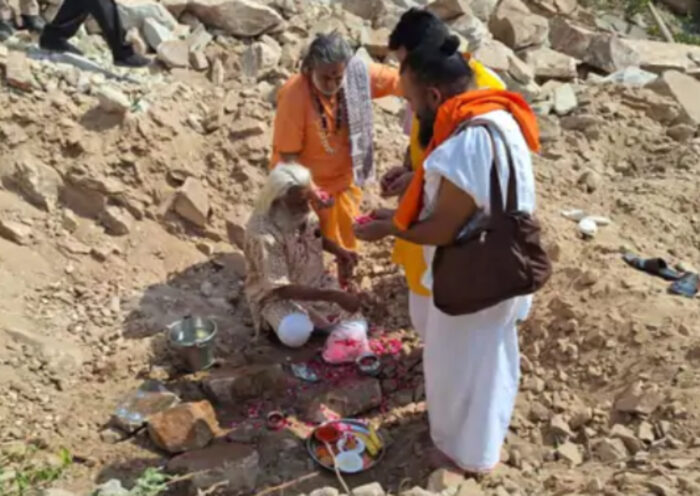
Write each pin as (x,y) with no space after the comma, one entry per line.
(286,221)
(318,86)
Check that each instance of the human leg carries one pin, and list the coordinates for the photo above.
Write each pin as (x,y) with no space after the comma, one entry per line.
(290,322)
(418,310)
(6,29)
(70,16)
(471,371)
(31,20)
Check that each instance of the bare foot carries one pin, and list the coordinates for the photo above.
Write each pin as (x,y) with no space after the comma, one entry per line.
(437,460)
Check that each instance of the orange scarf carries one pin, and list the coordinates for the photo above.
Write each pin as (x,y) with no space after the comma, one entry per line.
(450,115)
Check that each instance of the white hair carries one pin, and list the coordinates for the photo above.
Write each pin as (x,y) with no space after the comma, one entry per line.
(282,178)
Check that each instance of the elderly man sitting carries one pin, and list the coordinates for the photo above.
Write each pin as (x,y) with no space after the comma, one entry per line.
(288,288)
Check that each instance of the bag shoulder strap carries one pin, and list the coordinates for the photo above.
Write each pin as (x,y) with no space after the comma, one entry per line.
(496,196)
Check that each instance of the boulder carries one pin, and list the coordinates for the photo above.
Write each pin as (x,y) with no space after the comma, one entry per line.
(448,10)
(155,33)
(228,385)
(370,10)
(199,38)
(15,232)
(472,29)
(570,39)
(236,17)
(632,442)
(494,55)
(217,75)
(483,9)
(681,7)
(372,489)
(174,53)
(609,53)
(117,220)
(520,70)
(376,41)
(38,183)
(260,58)
(247,128)
(344,401)
(185,427)
(610,450)
(134,13)
(549,64)
(684,89)
(571,453)
(565,99)
(631,76)
(18,73)
(192,202)
(175,7)
(113,100)
(514,24)
(443,479)
(199,61)
(236,464)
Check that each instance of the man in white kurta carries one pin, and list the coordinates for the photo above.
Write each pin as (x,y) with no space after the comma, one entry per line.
(471,362)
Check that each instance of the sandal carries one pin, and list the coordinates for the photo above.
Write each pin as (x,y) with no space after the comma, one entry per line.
(654,266)
(687,285)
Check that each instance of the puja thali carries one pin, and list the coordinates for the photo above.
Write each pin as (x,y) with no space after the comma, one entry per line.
(353,445)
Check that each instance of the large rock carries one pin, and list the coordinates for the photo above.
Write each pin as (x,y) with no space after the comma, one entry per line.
(174,53)
(570,39)
(634,399)
(631,76)
(113,100)
(448,10)
(565,100)
(236,17)
(228,385)
(344,401)
(472,29)
(609,53)
(483,9)
(134,13)
(260,58)
(376,41)
(155,33)
(37,182)
(192,202)
(15,231)
(494,55)
(604,51)
(199,39)
(236,464)
(550,64)
(610,450)
(658,56)
(370,10)
(18,72)
(117,220)
(514,24)
(175,7)
(185,427)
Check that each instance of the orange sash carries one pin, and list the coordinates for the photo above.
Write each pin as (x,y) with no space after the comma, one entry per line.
(450,115)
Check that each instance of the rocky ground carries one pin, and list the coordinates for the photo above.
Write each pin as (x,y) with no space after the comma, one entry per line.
(122,201)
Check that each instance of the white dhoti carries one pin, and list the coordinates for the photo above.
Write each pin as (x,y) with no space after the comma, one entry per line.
(472,362)
(471,368)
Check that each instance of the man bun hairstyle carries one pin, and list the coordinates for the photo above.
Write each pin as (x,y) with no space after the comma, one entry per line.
(417,27)
(450,45)
(442,66)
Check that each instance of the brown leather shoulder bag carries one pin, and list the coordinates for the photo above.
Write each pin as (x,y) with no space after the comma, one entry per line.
(495,257)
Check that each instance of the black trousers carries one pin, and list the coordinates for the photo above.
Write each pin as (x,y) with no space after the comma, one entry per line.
(73,13)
